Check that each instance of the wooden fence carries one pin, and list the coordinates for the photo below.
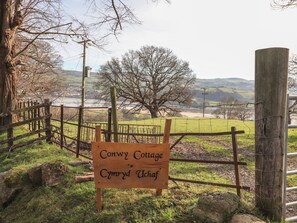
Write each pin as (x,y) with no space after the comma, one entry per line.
(177,137)
(39,121)
(85,133)
(74,132)
(33,115)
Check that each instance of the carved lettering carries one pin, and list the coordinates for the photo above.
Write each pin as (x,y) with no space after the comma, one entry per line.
(105,173)
(147,173)
(104,154)
(142,155)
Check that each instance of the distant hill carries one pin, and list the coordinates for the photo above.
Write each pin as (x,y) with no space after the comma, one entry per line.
(235,83)
(219,88)
(216,89)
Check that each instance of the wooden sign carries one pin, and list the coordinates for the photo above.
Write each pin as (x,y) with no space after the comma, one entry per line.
(126,165)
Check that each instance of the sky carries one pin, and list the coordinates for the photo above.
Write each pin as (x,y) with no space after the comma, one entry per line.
(218,38)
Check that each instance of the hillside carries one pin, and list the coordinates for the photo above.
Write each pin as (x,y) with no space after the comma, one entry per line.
(218,88)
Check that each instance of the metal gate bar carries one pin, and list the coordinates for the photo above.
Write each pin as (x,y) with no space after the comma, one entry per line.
(289,172)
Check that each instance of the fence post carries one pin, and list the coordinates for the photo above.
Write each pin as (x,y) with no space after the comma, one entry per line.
(271,74)
(109,125)
(47,112)
(29,115)
(34,116)
(235,160)
(24,113)
(39,124)
(9,131)
(61,126)
(80,112)
(166,137)
(114,113)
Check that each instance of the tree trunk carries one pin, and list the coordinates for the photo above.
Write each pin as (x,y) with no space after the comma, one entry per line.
(154,113)
(7,65)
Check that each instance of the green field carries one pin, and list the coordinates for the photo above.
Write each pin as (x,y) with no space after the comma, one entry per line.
(75,202)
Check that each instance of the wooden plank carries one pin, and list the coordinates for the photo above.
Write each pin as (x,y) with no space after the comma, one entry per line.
(183,133)
(23,122)
(24,109)
(126,165)
(23,136)
(80,179)
(15,146)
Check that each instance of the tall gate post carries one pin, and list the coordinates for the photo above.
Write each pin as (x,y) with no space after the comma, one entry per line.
(271,74)
(114,113)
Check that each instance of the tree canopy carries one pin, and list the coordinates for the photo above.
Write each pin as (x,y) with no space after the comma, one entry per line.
(151,78)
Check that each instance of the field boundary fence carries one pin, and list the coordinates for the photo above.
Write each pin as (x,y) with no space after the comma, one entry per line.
(34,116)
(42,121)
(75,131)
(177,137)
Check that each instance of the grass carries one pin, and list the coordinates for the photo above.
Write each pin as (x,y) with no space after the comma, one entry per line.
(73,202)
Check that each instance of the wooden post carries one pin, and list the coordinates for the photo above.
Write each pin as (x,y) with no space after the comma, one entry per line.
(79,131)
(113,95)
(98,190)
(271,74)
(47,111)
(109,125)
(235,159)
(34,111)
(39,123)
(24,113)
(61,126)
(29,115)
(166,137)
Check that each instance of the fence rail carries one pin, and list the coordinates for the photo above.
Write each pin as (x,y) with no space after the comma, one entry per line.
(32,114)
(180,136)
(39,117)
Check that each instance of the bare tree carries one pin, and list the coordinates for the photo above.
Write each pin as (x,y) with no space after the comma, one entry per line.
(32,20)
(231,108)
(225,107)
(151,78)
(292,85)
(242,111)
(40,73)
(284,3)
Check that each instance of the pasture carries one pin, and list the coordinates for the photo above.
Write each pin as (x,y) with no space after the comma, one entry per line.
(75,202)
